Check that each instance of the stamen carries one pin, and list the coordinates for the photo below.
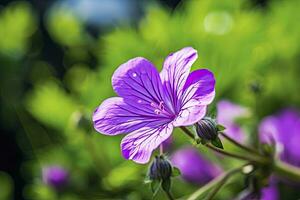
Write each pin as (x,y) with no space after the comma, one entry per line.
(159,108)
(157,111)
(161,105)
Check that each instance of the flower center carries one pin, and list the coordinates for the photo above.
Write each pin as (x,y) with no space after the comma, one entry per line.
(158,108)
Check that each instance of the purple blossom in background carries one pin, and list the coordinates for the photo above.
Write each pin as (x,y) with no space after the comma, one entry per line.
(269,193)
(55,176)
(228,113)
(194,167)
(152,103)
(284,129)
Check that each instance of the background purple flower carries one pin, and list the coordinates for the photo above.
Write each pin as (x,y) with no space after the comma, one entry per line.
(227,114)
(284,129)
(55,176)
(152,103)
(194,167)
(269,193)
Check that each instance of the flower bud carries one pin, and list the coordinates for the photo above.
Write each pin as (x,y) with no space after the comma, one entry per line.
(160,169)
(207,129)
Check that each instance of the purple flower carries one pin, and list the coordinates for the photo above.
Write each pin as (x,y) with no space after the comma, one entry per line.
(227,114)
(194,167)
(284,129)
(55,176)
(152,103)
(269,193)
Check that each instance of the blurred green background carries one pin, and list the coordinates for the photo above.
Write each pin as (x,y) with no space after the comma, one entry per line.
(57,57)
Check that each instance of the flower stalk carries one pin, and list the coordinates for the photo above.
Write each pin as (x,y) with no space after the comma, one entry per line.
(169,195)
(216,183)
(240,157)
(286,170)
(280,168)
(161,149)
(253,158)
(241,146)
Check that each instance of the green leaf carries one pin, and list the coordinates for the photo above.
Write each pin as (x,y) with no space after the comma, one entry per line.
(220,127)
(175,172)
(166,184)
(155,184)
(217,143)
(198,140)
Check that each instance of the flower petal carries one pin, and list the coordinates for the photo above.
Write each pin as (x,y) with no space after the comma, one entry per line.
(175,72)
(138,82)
(138,145)
(200,85)
(115,116)
(199,91)
(228,113)
(190,113)
(138,79)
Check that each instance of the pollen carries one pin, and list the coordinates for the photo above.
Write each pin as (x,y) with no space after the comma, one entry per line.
(158,108)
(157,111)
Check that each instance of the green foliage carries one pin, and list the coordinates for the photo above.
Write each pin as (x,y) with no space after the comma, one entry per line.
(65,28)
(17,23)
(52,105)
(6,185)
(175,172)
(217,143)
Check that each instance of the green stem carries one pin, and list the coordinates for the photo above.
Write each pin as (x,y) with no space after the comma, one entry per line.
(218,182)
(249,149)
(215,190)
(161,149)
(280,168)
(186,131)
(286,170)
(169,195)
(240,157)
(237,156)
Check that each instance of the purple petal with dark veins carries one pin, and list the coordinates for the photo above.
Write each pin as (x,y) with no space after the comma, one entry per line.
(200,85)
(199,91)
(139,144)
(115,116)
(190,114)
(138,82)
(175,72)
